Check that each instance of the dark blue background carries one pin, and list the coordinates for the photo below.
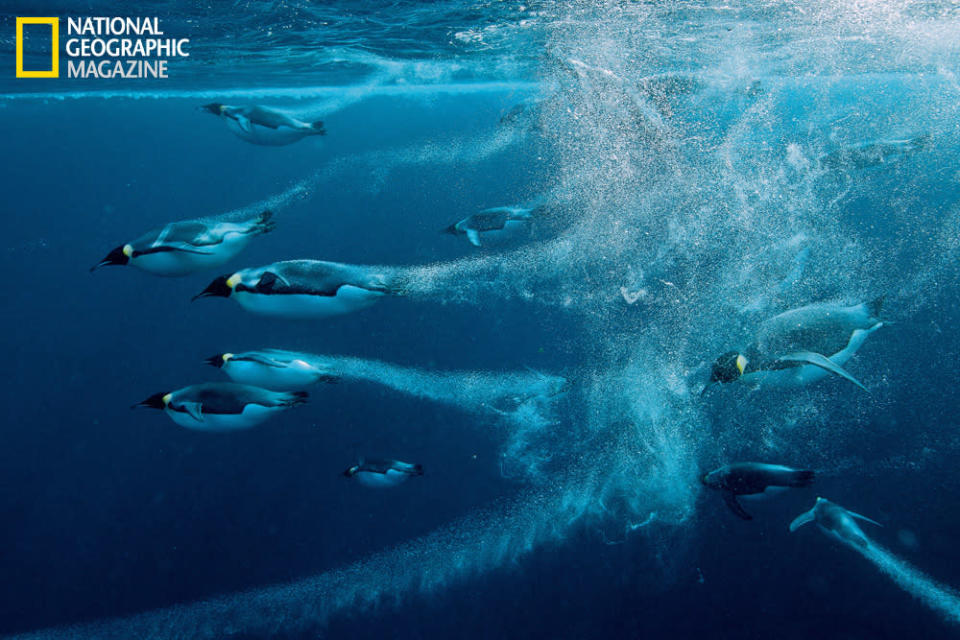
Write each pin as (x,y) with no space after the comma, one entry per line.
(109,511)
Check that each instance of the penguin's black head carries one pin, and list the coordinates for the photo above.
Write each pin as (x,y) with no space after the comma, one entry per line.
(214,107)
(452,230)
(218,287)
(728,367)
(118,257)
(156,401)
(218,360)
(352,471)
(712,480)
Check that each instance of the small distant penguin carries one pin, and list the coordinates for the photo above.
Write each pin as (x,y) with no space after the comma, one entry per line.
(187,246)
(836,522)
(754,479)
(875,153)
(383,473)
(304,288)
(222,406)
(497,223)
(274,369)
(801,346)
(263,125)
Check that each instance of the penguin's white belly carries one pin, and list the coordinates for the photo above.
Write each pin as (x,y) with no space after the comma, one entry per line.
(253,414)
(380,480)
(300,305)
(293,376)
(788,378)
(180,263)
(265,135)
(511,230)
(847,533)
(808,374)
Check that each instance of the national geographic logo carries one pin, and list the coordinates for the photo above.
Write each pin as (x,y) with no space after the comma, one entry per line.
(104,47)
(54,71)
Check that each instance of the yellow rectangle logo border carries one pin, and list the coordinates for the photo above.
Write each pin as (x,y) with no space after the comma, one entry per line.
(55,46)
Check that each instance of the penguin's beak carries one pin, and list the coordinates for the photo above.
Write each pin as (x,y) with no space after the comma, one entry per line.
(706,388)
(156,401)
(218,287)
(115,258)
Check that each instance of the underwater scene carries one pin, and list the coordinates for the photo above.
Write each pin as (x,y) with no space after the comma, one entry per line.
(480,319)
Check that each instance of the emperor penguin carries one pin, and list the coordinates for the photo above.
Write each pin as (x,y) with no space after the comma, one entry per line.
(836,522)
(383,473)
(222,406)
(875,153)
(275,369)
(304,288)
(497,223)
(184,247)
(754,479)
(263,125)
(801,346)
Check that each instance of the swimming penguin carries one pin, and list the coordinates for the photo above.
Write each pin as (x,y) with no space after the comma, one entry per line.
(836,522)
(303,288)
(754,479)
(275,369)
(491,224)
(183,247)
(222,406)
(801,346)
(264,126)
(383,473)
(875,153)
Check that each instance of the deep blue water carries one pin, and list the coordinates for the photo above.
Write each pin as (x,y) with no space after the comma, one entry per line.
(680,150)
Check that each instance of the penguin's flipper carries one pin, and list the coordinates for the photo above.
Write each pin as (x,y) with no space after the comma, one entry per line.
(802,519)
(864,518)
(195,409)
(183,247)
(474,237)
(262,361)
(244,122)
(731,501)
(822,361)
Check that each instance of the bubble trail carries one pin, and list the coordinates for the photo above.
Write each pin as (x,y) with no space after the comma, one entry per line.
(481,542)
(938,597)
(470,390)
(463,149)
(524,402)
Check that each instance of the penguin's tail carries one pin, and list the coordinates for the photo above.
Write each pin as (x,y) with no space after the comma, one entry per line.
(293,398)
(921,142)
(521,214)
(393,285)
(317,128)
(875,307)
(264,223)
(802,478)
